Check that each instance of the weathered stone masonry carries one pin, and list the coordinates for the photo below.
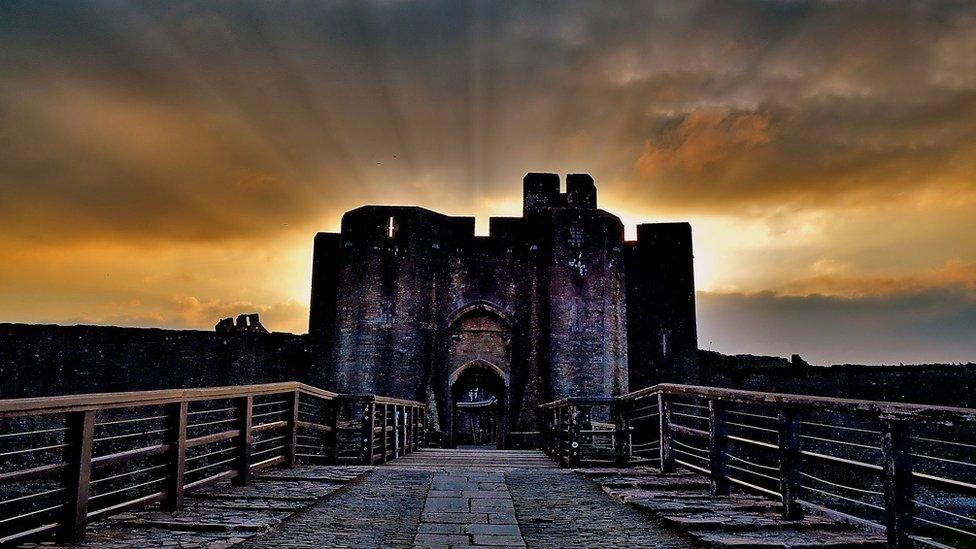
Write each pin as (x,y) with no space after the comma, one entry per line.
(411,302)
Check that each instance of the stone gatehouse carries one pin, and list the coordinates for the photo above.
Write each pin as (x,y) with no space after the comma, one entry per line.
(552,304)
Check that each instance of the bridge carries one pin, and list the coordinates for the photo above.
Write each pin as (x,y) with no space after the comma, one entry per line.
(289,465)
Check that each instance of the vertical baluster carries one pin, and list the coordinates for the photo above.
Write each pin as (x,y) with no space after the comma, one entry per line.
(621,426)
(898,483)
(384,433)
(395,431)
(176,420)
(368,417)
(550,440)
(405,427)
(406,442)
(332,408)
(575,417)
(423,427)
(789,462)
(560,435)
(245,440)
(664,418)
(718,442)
(291,431)
(76,479)
(400,418)
(414,414)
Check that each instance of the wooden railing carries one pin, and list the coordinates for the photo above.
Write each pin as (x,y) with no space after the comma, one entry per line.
(906,469)
(68,460)
(580,431)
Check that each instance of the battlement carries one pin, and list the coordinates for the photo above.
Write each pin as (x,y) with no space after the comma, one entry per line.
(541,192)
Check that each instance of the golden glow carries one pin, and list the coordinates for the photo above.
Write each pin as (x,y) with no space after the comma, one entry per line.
(166,165)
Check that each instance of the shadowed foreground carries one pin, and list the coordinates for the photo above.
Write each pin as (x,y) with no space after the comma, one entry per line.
(431,498)
(470,498)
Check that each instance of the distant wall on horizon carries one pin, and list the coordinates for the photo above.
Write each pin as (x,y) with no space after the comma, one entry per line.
(944,384)
(45,360)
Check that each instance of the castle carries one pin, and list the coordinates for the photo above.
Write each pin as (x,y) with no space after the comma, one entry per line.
(551,304)
(408,302)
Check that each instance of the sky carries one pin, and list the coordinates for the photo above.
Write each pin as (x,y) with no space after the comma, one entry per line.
(167,163)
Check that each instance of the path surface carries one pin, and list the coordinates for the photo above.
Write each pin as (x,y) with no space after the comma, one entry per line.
(470,498)
(428,499)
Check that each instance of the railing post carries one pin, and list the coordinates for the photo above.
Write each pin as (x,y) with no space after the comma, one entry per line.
(291,431)
(384,424)
(418,439)
(718,442)
(561,441)
(573,453)
(80,430)
(557,438)
(397,431)
(621,436)
(414,414)
(245,411)
(664,417)
(404,430)
(898,483)
(176,420)
(789,462)
(368,418)
(332,437)
(405,443)
(423,427)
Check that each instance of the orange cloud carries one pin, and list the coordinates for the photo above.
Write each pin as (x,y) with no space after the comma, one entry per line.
(707,140)
(954,273)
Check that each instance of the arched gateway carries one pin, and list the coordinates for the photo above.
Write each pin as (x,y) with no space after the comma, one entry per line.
(479,362)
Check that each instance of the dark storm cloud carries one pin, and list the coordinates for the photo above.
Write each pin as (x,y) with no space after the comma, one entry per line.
(931,325)
(208,120)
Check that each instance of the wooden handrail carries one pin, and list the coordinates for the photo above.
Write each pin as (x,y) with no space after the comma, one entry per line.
(244,428)
(793,400)
(897,471)
(105,401)
(773,399)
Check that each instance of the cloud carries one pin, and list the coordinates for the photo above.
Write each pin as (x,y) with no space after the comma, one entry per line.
(149,149)
(924,326)
(707,144)
(829,278)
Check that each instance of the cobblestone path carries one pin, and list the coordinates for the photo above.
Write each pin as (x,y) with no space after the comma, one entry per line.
(470,498)
(381,510)
(562,509)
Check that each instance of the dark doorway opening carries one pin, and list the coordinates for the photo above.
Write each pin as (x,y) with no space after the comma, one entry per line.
(478,402)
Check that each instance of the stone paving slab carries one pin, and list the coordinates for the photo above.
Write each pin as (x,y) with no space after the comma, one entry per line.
(465,509)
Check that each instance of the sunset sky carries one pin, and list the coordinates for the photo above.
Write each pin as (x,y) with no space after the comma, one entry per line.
(167,163)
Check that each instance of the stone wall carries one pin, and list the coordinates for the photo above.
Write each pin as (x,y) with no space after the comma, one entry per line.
(45,360)
(944,384)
